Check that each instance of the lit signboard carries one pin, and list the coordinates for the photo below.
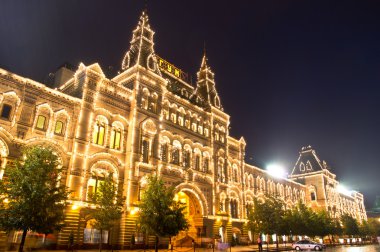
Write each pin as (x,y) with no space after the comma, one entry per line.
(171,69)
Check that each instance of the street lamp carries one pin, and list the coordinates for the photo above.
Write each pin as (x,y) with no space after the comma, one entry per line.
(276,170)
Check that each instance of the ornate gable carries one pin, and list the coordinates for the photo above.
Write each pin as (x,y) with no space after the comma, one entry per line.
(308,162)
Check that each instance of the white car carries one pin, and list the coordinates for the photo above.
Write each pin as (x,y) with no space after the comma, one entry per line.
(307,245)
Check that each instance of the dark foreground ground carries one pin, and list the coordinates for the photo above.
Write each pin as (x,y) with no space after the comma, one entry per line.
(252,248)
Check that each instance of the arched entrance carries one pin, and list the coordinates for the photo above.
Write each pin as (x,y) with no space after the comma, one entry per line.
(194,214)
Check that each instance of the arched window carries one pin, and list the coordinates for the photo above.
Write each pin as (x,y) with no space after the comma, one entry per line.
(58,129)
(197,162)
(220,170)
(144,99)
(302,167)
(99,133)
(153,103)
(175,156)
(145,151)
(194,127)
(206,132)
(216,135)
(205,164)
(93,184)
(186,158)
(173,117)
(165,111)
(234,208)
(180,120)
(115,138)
(164,152)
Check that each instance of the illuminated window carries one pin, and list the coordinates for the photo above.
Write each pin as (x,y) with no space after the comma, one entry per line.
(58,128)
(6,111)
(187,123)
(41,122)
(115,139)
(145,151)
(206,132)
(222,138)
(194,127)
(93,185)
(166,113)
(173,117)
(180,120)
(92,235)
(216,136)
(99,131)
(200,129)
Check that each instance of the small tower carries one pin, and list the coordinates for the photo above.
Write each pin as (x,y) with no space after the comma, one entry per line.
(141,51)
(205,92)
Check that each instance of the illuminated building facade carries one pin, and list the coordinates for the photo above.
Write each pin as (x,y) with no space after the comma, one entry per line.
(147,119)
(322,190)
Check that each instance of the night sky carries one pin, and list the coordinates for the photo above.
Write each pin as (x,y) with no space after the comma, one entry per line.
(290,73)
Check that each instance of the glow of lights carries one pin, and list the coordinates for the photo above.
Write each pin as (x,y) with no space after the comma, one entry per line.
(134,210)
(343,190)
(276,170)
(74,207)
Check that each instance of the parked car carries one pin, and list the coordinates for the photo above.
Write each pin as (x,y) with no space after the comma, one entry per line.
(308,245)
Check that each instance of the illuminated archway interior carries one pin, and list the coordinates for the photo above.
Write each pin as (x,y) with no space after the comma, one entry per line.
(193,213)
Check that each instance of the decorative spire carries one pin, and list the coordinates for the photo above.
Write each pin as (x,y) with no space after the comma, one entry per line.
(205,92)
(141,51)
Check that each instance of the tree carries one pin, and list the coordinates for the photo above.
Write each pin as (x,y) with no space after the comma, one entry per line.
(268,216)
(350,225)
(365,229)
(108,206)
(374,225)
(160,214)
(336,228)
(35,197)
(302,220)
(323,224)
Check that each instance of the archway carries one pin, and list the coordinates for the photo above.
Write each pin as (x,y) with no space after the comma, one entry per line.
(194,214)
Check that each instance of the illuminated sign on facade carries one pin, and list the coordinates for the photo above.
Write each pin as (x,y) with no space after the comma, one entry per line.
(171,69)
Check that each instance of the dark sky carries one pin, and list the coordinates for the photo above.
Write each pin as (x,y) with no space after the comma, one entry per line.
(290,73)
